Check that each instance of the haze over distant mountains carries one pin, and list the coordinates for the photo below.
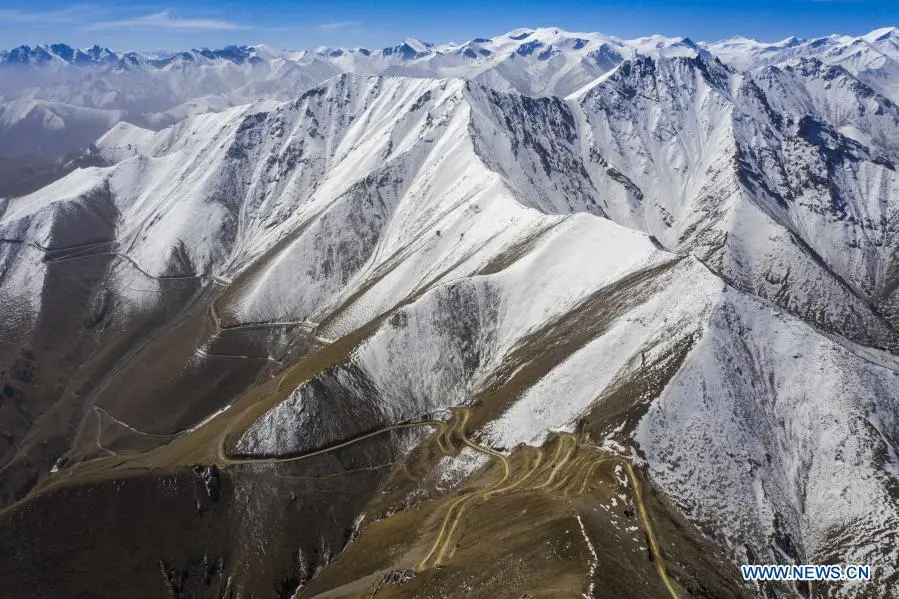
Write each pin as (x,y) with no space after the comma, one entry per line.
(57,99)
(573,252)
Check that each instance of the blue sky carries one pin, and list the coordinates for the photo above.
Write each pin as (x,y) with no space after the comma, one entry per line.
(291,24)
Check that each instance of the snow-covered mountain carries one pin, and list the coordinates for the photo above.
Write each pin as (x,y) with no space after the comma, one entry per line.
(684,251)
(158,89)
(873,58)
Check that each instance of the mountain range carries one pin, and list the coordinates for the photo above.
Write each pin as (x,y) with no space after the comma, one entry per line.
(548,314)
(50,94)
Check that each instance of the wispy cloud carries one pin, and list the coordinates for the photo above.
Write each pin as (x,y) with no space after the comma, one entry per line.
(165,20)
(337,25)
(65,15)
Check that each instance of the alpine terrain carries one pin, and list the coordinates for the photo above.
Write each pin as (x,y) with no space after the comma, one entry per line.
(548,314)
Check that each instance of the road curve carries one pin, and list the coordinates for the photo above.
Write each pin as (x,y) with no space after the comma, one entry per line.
(225,460)
(562,456)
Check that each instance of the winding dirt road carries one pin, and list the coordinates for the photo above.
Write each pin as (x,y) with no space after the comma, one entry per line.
(225,460)
(577,477)
(556,473)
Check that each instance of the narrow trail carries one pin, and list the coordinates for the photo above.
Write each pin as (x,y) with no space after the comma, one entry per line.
(100,434)
(77,252)
(225,460)
(169,437)
(539,454)
(444,538)
(648,529)
(556,474)
(217,322)
(102,412)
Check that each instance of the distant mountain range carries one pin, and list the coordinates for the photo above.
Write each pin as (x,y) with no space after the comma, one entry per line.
(155,90)
(879,46)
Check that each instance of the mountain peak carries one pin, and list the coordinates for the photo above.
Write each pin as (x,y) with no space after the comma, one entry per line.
(410,49)
(883,34)
(791,42)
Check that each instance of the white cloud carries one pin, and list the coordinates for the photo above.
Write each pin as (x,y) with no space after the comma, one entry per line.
(165,20)
(337,25)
